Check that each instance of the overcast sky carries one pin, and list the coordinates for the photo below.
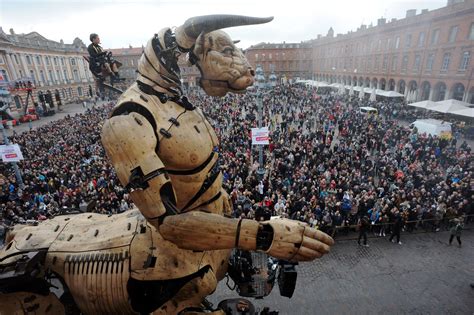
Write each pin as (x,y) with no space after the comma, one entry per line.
(126,22)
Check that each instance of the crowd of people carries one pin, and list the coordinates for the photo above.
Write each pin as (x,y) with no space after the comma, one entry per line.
(327,165)
(64,168)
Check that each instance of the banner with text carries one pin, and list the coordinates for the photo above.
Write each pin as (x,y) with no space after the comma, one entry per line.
(260,136)
(11,153)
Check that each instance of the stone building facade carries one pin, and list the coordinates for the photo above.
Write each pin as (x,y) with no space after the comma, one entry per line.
(287,61)
(428,54)
(54,67)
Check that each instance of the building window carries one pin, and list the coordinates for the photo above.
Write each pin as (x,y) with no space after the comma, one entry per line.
(446,60)
(256,57)
(55,61)
(421,39)
(79,91)
(430,61)
(16,59)
(131,62)
(389,42)
(28,60)
(65,74)
(416,66)
(465,59)
(270,56)
(1,60)
(42,78)
(452,34)
(385,63)
(397,42)
(73,61)
(58,75)
(76,75)
(38,60)
(376,63)
(408,41)
(51,76)
(405,63)
(434,37)
(394,63)
(62,61)
(32,75)
(471,32)
(48,62)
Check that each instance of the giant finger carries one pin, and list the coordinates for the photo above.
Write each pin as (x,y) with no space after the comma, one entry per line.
(315,245)
(308,253)
(318,235)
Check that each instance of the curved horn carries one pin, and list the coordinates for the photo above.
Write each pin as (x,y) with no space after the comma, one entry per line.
(187,33)
(208,23)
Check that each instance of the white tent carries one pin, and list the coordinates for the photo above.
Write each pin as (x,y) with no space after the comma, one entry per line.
(424,104)
(410,97)
(433,127)
(335,85)
(342,90)
(414,95)
(389,93)
(373,95)
(361,93)
(467,112)
(449,106)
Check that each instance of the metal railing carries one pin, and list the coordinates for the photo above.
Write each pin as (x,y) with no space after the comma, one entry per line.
(350,232)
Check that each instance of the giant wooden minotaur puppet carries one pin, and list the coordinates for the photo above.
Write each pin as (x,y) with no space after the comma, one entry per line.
(167,255)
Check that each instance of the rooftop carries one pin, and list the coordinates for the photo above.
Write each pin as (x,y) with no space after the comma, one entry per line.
(37,41)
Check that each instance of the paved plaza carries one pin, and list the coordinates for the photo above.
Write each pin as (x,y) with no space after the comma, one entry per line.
(422,276)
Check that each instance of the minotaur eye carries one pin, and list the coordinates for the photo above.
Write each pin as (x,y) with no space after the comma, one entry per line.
(228,50)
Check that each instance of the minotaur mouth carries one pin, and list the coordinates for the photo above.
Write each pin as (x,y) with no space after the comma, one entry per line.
(222,84)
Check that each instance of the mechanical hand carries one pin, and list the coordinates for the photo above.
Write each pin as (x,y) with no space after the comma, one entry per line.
(292,240)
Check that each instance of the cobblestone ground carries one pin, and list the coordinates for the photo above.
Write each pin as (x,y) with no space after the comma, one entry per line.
(422,276)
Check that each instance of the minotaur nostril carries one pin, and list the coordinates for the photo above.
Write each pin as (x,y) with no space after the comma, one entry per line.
(252,72)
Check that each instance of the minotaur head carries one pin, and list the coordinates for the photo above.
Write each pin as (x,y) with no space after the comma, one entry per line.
(223,66)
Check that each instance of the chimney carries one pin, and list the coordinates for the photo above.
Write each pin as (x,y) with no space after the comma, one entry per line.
(381,21)
(363,27)
(319,36)
(411,13)
(130,46)
(424,11)
(12,32)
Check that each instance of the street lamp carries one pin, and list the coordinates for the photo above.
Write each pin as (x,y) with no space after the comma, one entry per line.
(260,84)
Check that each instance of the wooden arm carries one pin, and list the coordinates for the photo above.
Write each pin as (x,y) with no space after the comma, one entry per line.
(207,231)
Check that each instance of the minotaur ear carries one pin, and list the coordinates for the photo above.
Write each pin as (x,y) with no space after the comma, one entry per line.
(236,41)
